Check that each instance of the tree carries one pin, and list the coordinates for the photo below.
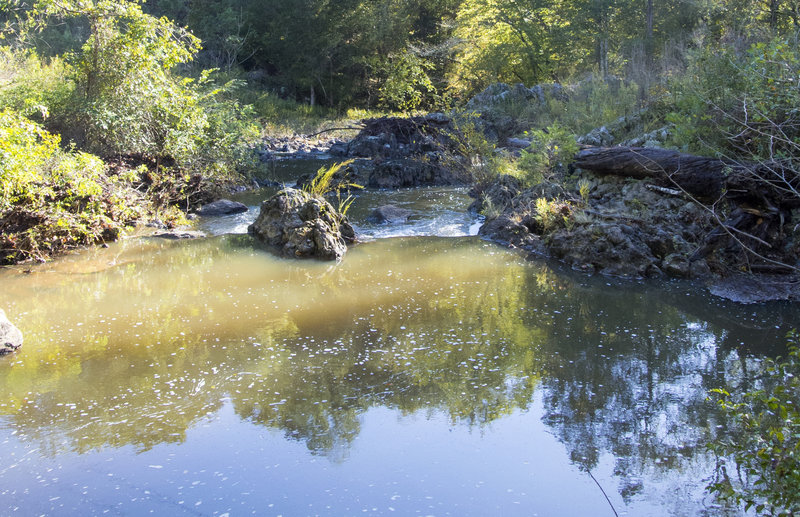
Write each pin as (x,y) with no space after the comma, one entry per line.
(513,41)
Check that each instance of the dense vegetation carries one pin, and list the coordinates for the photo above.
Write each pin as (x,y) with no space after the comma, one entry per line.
(167,97)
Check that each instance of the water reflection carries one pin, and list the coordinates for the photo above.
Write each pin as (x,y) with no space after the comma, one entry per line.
(140,342)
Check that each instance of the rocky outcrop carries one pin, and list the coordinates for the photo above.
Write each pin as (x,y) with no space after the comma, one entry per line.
(500,107)
(10,336)
(222,207)
(621,228)
(410,152)
(299,224)
(627,131)
(496,196)
(409,172)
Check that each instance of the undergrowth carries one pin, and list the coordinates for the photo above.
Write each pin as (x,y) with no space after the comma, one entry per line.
(54,199)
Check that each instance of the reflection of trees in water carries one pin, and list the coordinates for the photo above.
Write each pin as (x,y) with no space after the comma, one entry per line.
(638,391)
(450,353)
(436,328)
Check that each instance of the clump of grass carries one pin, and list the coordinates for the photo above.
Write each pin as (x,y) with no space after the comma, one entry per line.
(323,184)
(584,187)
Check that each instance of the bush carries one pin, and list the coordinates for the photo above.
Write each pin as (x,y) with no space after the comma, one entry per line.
(405,82)
(763,440)
(34,87)
(740,104)
(54,199)
(551,152)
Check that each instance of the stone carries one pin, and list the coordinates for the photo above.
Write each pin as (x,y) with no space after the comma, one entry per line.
(497,195)
(179,234)
(389,214)
(518,143)
(403,173)
(600,137)
(10,336)
(677,265)
(222,207)
(746,289)
(300,224)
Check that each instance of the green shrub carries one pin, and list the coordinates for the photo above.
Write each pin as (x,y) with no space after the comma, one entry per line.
(54,199)
(763,440)
(740,104)
(405,82)
(325,182)
(34,87)
(549,154)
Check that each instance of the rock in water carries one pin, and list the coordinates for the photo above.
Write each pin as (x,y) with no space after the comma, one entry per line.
(222,207)
(389,214)
(10,336)
(300,224)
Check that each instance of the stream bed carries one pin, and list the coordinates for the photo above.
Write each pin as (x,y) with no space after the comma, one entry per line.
(429,373)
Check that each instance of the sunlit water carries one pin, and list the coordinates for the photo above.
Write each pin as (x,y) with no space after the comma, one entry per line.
(420,376)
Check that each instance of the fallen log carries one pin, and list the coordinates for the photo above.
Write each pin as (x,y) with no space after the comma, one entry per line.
(771,184)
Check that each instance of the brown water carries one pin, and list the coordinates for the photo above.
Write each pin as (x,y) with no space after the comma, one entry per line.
(422,375)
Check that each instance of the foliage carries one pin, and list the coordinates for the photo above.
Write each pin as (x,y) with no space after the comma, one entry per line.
(509,41)
(32,86)
(763,442)
(584,188)
(54,199)
(547,213)
(740,103)
(326,182)
(406,85)
(552,150)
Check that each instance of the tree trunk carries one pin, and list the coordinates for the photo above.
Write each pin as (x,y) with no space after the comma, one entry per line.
(648,36)
(774,6)
(768,184)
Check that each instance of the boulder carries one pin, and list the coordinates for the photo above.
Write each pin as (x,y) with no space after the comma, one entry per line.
(599,137)
(300,224)
(10,336)
(389,214)
(222,207)
(747,288)
(411,152)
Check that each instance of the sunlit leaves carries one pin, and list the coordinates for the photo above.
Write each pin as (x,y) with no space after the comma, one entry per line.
(764,442)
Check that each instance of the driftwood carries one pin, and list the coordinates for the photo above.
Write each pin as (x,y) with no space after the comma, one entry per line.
(761,195)
(769,184)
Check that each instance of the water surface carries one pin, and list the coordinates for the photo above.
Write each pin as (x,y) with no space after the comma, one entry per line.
(422,375)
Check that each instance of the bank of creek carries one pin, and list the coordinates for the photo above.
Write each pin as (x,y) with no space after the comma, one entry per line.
(429,373)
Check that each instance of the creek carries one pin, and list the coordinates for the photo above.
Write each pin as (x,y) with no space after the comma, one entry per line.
(429,373)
